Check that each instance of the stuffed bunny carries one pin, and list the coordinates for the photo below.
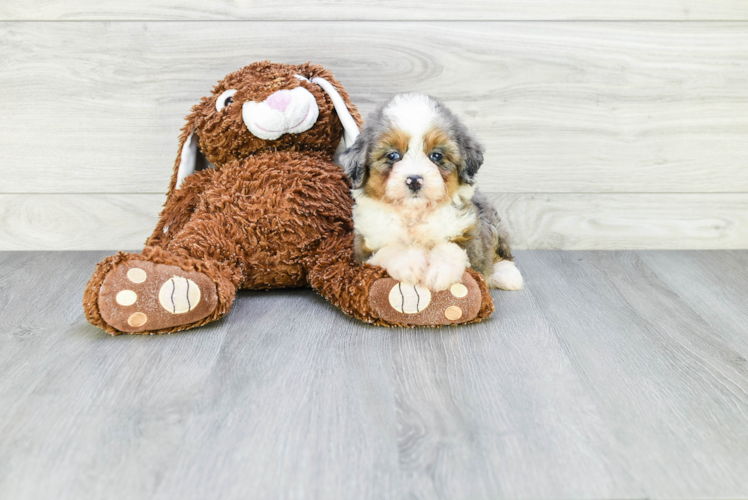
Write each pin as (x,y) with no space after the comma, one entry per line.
(256,202)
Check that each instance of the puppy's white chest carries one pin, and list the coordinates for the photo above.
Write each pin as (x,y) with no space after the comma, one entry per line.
(426,231)
(382,225)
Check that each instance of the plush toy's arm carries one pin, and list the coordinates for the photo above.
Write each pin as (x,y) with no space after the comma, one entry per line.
(178,209)
(335,274)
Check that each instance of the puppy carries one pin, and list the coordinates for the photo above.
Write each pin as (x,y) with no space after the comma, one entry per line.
(417,213)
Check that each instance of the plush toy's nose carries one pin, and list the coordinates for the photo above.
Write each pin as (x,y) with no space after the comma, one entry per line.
(280,100)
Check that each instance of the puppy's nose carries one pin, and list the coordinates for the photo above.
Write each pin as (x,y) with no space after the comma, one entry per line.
(414,182)
(280,100)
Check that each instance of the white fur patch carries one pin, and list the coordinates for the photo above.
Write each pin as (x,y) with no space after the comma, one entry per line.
(414,114)
(506,276)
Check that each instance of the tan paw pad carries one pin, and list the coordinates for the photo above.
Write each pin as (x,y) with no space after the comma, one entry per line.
(453,313)
(126,298)
(179,295)
(137,320)
(409,299)
(136,275)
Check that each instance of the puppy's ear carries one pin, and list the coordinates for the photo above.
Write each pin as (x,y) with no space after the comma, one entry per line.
(353,161)
(472,154)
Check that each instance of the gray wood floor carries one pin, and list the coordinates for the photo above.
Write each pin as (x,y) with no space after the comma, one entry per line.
(612,375)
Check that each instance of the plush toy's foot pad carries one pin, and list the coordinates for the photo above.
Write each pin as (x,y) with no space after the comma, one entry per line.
(401,304)
(138,296)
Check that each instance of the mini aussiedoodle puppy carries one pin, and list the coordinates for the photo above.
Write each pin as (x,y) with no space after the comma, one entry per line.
(417,212)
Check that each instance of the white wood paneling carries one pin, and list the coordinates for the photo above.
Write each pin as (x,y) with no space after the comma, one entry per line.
(562,107)
(558,221)
(77,221)
(385,10)
(625,221)
(599,134)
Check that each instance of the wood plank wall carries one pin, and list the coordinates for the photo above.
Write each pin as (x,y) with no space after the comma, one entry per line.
(609,124)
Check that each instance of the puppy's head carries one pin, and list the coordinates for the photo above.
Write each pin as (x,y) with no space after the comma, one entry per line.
(413,152)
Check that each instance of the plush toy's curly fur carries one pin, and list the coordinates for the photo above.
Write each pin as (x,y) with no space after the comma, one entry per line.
(270,214)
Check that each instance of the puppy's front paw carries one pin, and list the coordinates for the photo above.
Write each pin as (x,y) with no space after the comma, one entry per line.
(409,267)
(447,263)
(443,274)
(402,263)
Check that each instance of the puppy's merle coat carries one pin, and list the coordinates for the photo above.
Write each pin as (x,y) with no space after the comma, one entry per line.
(417,213)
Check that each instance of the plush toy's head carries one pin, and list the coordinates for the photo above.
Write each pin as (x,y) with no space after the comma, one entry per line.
(267,107)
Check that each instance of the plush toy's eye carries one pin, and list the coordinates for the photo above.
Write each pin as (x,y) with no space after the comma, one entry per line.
(225,99)
(436,157)
(394,156)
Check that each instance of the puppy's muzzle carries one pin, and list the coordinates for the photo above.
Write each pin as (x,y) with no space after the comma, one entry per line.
(414,183)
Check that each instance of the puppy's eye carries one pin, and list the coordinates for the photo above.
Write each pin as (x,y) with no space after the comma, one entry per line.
(225,99)
(436,157)
(394,156)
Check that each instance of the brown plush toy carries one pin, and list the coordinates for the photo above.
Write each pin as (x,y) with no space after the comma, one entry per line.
(256,202)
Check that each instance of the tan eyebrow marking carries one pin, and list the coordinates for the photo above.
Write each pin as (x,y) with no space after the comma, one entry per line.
(437,138)
(392,139)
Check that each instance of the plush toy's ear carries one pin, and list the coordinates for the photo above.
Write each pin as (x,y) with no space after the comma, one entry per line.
(190,159)
(350,129)
(353,161)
